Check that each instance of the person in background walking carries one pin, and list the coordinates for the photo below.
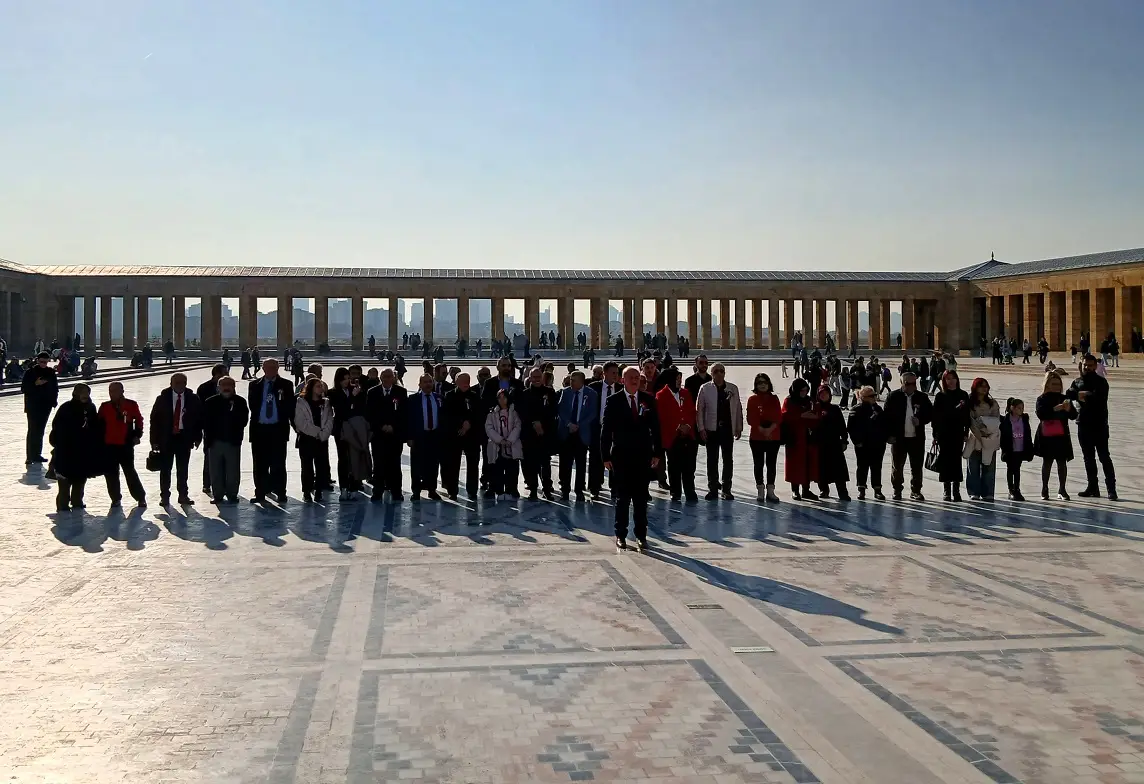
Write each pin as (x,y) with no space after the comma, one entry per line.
(1016,445)
(41,394)
(1091,392)
(677,433)
(576,419)
(225,417)
(829,432)
(77,442)
(950,425)
(314,421)
(801,451)
(719,417)
(764,418)
(982,442)
(246,364)
(122,426)
(465,430)
(272,401)
(631,446)
(1054,441)
(907,414)
(175,429)
(867,429)
(503,451)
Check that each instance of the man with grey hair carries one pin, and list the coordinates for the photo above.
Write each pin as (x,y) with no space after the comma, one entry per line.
(464,420)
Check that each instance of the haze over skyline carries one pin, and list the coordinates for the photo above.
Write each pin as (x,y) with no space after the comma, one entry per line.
(741,134)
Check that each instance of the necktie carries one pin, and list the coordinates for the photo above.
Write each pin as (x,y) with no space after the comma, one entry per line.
(635,411)
(177,424)
(429,411)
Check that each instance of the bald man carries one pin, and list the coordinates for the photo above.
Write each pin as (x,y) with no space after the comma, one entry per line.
(631,448)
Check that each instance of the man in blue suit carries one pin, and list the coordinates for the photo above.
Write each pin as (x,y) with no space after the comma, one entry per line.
(577,419)
(425,438)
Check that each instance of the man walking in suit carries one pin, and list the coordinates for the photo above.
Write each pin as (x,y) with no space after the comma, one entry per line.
(464,434)
(385,412)
(631,448)
(176,429)
(603,389)
(271,399)
(424,438)
(577,421)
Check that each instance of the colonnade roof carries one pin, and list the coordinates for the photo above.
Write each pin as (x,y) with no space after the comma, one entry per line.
(987,270)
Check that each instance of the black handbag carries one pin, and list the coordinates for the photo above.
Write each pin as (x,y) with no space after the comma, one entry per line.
(153,460)
(932,456)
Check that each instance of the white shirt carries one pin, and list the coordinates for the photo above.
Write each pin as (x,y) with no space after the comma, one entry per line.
(180,405)
(605,392)
(909,431)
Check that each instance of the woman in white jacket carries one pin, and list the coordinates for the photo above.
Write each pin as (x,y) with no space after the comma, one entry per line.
(719,417)
(982,442)
(503,450)
(314,421)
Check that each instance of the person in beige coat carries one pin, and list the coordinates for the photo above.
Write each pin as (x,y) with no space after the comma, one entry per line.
(503,450)
(314,421)
(719,417)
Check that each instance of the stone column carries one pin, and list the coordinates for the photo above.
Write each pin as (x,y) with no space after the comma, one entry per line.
(909,324)
(660,315)
(6,321)
(637,322)
(247,322)
(105,324)
(875,325)
(463,318)
(210,321)
(693,322)
(90,341)
(820,329)
(788,323)
(885,321)
(179,321)
(740,324)
(1013,321)
(128,324)
(143,321)
(498,317)
(1122,324)
(532,320)
(1055,327)
(1033,309)
(672,322)
(757,307)
(285,317)
(168,320)
(321,321)
(808,322)
(774,324)
(427,334)
(357,324)
(724,324)
(841,325)
(852,323)
(708,333)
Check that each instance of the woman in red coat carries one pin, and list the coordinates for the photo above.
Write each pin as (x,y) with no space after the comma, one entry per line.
(676,411)
(799,419)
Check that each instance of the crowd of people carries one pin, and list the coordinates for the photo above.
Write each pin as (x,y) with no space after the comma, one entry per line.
(630,425)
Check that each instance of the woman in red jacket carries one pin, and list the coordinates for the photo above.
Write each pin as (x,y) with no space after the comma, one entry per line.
(799,419)
(122,430)
(764,418)
(676,412)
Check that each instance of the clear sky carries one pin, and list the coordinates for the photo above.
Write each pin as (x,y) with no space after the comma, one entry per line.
(740,134)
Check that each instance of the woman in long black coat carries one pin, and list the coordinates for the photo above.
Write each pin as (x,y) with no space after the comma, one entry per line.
(950,424)
(830,435)
(1053,441)
(77,447)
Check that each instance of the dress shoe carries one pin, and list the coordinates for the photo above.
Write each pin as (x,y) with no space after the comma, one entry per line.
(621,544)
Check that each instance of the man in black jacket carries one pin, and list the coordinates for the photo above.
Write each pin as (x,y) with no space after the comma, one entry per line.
(536,406)
(205,392)
(701,377)
(1091,392)
(908,411)
(504,379)
(441,383)
(225,418)
(271,400)
(603,389)
(41,394)
(385,411)
(465,425)
(176,428)
(631,447)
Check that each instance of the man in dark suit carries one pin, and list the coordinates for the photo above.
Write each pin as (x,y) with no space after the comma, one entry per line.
(441,383)
(176,428)
(424,435)
(630,444)
(603,389)
(577,426)
(464,435)
(41,394)
(205,392)
(385,411)
(907,413)
(536,406)
(271,399)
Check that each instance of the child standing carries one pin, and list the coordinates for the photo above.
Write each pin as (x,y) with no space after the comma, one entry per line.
(1016,445)
(784,369)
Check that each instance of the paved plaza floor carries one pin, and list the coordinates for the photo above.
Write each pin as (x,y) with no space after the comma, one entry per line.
(888,643)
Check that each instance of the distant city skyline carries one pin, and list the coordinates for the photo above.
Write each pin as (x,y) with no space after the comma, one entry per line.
(745,134)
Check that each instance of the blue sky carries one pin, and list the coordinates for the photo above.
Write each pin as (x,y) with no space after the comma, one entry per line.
(741,134)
